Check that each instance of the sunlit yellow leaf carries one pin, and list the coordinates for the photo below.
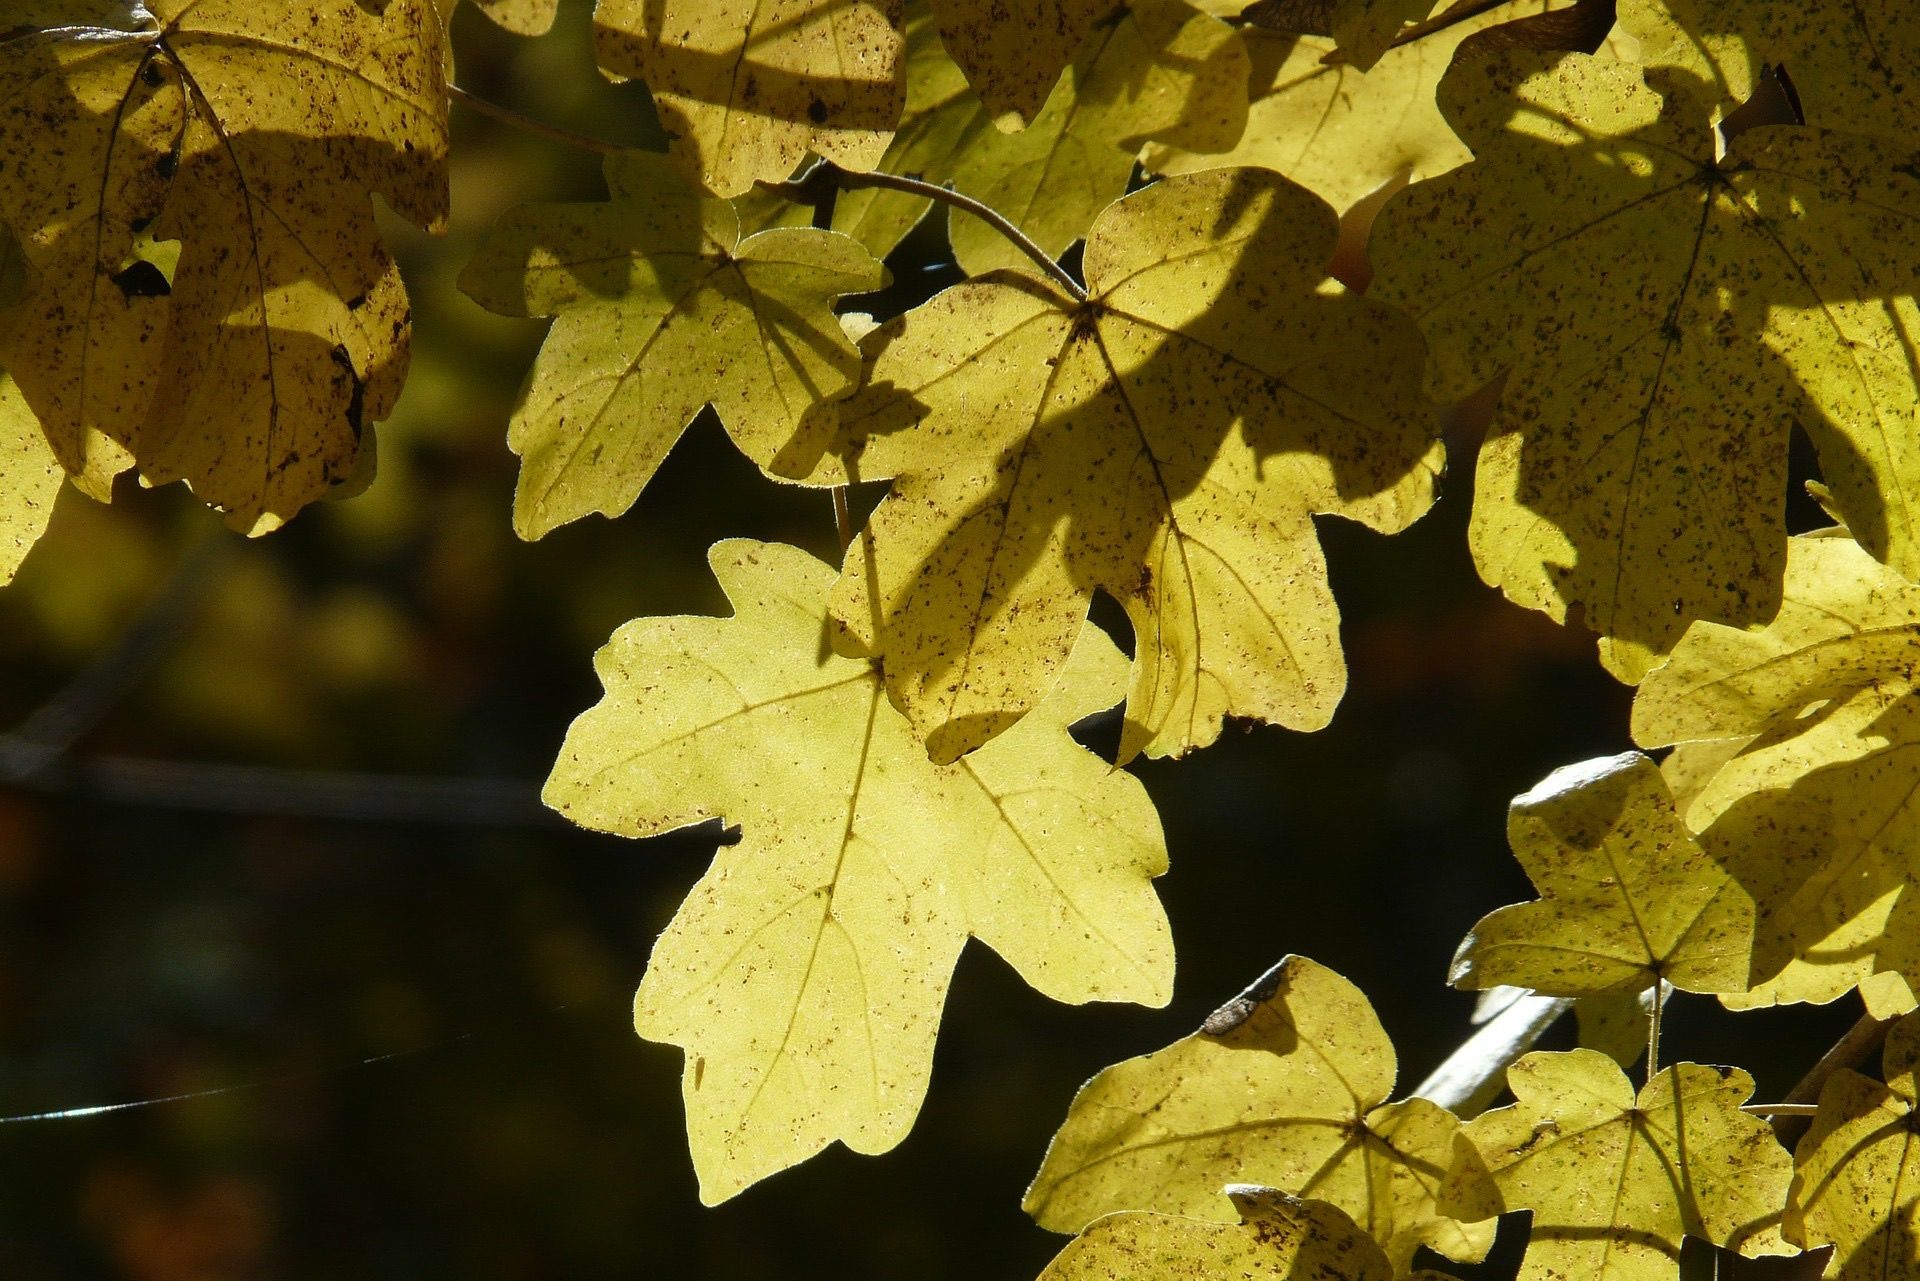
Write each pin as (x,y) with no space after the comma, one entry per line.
(1626,896)
(1012,53)
(1278,1238)
(254,136)
(1814,813)
(1615,1181)
(745,88)
(1852,62)
(29,479)
(522,17)
(1856,1181)
(805,973)
(1159,69)
(1285,1085)
(1336,130)
(1667,317)
(663,308)
(1213,396)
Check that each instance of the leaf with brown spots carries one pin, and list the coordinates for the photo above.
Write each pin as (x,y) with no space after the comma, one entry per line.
(1156,70)
(253,136)
(522,17)
(1811,806)
(745,88)
(1285,1085)
(1615,1181)
(805,974)
(1277,1238)
(1667,318)
(663,308)
(1627,896)
(1012,51)
(1855,64)
(1211,393)
(1856,1170)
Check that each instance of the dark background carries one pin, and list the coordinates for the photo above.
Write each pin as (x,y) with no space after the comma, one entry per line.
(168,926)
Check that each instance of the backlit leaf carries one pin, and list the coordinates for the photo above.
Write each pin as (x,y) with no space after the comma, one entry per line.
(805,974)
(745,88)
(1637,464)
(30,479)
(662,309)
(1815,814)
(1856,1181)
(1852,61)
(1158,69)
(253,135)
(1615,1181)
(1627,897)
(1278,1238)
(1285,1085)
(1012,53)
(1210,392)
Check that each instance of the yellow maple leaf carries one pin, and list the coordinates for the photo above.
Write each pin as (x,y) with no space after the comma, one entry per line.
(1615,1180)
(522,17)
(1811,809)
(1277,1238)
(745,88)
(1637,463)
(1851,61)
(1159,69)
(1627,897)
(805,973)
(29,479)
(1338,131)
(663,308)
(1210,392)
(1856,1169)
(1285,1085)
(1012,53)
(253,135)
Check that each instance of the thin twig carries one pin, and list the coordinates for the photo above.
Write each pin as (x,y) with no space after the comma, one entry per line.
(1653,1029)
(1851,1051)
(1780,1109)
(805,190)
(1464,11)
(527,124)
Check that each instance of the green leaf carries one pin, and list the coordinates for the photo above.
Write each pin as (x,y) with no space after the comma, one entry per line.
(1667,315)
(1627,897)
(804,975)
(1285,1085)
(663,309)
(1211,391)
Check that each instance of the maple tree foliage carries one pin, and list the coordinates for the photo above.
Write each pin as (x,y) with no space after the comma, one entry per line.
(1146,385)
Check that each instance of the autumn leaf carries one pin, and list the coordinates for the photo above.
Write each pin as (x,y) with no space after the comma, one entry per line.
(1856,1169)
(1627,897)
(1159,69)
(1277,1238)
(1814,812)
(805,973)
(1214,396)
(745,88)
(522,17)
(252,135)
(1851,61)
(1285,1085)
(29,480)
(1614,1180)
(1362,30)
(663,308)
(1637,464)
(1338,131)
(1013,53)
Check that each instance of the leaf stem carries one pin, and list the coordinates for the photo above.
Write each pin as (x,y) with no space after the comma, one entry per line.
(806,189)
(1780,1109)
(1850,1051)
(527,124)
(842,518)
(1653,1028)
